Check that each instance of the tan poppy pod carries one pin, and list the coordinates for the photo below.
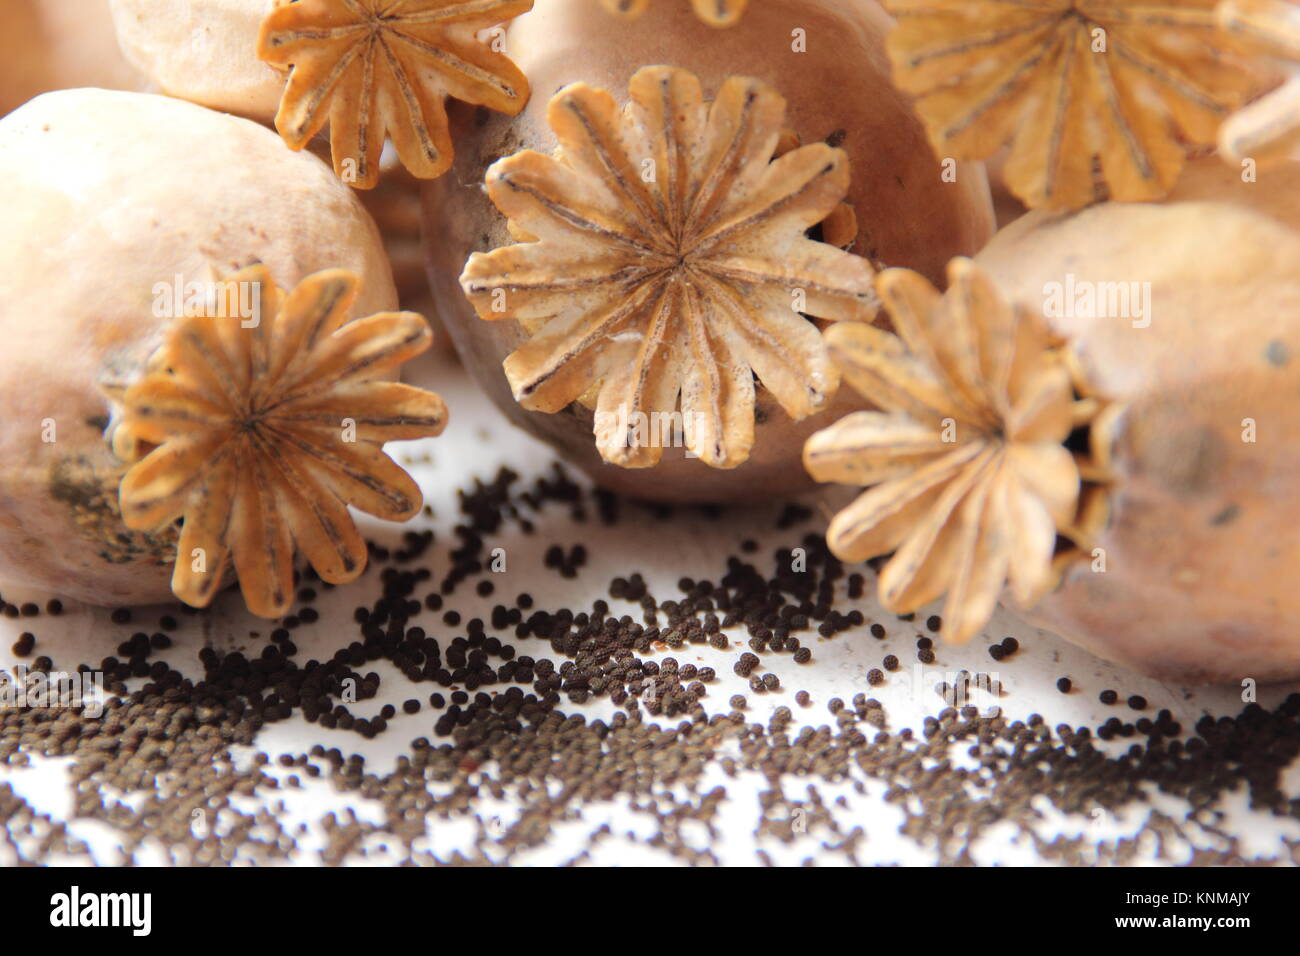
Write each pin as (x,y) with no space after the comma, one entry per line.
(206,51)
(1187,317)
(363,73)
(827,60)
(108,198)
(1094,99)
(1273,190)
(1267,130)
(56,45)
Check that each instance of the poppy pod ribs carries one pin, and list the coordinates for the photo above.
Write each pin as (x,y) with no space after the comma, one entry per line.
(263,434)
(1098,98)
(1268,129)
(970,482)
(643,282)
(109,242)
(375,68)
(1143,409)
(670,265)
(717,13)
(1187,315)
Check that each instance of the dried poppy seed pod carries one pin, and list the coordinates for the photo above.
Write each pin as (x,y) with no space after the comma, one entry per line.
(363,72)
(1267,129)
(258,435)
(204,51)
(1273,191)
(826,62)
(1095,98)
(968,480)
(1188,317)
(120,209)
(717,13)
(376,70)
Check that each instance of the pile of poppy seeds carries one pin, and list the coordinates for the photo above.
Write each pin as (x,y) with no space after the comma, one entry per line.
(685,712)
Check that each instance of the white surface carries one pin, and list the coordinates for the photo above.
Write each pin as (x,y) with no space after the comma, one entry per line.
(476,442)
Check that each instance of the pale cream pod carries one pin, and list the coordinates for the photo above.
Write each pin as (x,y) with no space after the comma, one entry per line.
(204,51)
(115,203)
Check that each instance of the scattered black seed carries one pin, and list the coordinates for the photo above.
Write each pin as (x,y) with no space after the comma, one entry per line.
(793,515)
(1108,697)
(510,726)
(1064,685)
